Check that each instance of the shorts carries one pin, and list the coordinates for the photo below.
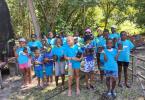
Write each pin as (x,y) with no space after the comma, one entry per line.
(101,68)
(38,73)
(59,68)
(122,63)
(49,70)
(111,73)
(76,65)
(23,66)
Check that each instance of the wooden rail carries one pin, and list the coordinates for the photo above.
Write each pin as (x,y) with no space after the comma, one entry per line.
(135,68)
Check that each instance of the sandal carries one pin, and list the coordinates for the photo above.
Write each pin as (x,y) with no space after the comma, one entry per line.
(92,87)
(128,86)
(120,85)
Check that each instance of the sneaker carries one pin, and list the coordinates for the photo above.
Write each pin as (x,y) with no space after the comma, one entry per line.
(113,94)
(87,87)
(120,85)
(109,94)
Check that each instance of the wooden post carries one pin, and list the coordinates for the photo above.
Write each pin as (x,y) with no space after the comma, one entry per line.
(1,81)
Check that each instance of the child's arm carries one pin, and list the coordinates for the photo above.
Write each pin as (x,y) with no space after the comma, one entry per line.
(105,57)
(77,59)
(116,57)
(67,58)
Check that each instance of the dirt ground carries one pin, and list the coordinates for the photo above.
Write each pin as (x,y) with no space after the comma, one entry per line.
(13,91)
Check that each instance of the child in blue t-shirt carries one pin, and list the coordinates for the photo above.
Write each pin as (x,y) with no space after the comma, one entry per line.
(89,66)
(58,54)
(73,57)
(37,61)
(124,47)
(100,61)
(22,54)
(100,46)
(48,64)
(110,67)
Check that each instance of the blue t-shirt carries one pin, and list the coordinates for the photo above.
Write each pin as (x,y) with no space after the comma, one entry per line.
(36,43)
(72,52)
(58,51)
(22,58)
(38,59)
(51,41)
(114,35)
(102,42)
(102,60)
(64,41)
(48,55)
(125,52)
(111,63)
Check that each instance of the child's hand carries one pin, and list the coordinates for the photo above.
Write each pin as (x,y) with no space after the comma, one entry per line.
(68,58)
(36,62)
(102,52)
(76,59)
(46,59)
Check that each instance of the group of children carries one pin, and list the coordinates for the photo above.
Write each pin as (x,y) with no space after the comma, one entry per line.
(109,51)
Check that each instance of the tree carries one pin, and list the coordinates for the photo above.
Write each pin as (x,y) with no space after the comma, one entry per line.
(34,19)
(139,5)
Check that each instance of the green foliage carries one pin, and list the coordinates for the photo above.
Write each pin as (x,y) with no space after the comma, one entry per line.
(76,15)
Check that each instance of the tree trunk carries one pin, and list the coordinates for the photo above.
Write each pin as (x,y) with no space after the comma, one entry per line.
(106,22)
(34,19)
(6,31)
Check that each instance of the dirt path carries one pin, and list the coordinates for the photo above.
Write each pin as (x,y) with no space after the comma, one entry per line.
(13,91)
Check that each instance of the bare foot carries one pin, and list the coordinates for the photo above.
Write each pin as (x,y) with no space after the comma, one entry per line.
(78,92)
(62,87)
(69,93)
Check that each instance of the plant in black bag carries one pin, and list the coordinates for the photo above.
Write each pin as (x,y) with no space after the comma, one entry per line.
(79,54)
(55,57)
(62,58)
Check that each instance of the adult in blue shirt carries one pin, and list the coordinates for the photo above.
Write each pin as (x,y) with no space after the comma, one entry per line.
(34,43)
(102,41)
(73,64)
(50,39)
(99,46)
(124,46)
(114,34)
